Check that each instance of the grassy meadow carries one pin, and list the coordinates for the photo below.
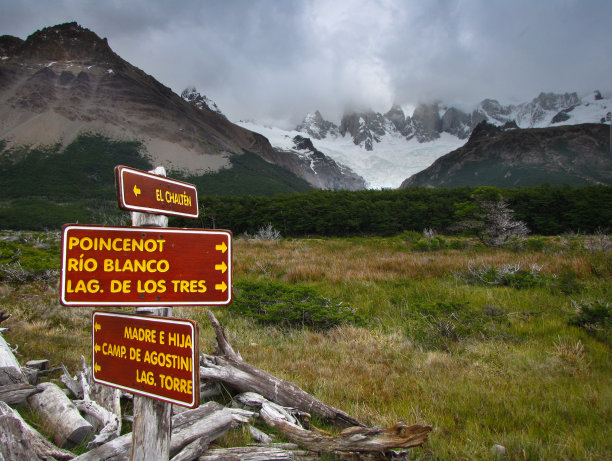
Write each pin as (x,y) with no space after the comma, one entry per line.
(489,346)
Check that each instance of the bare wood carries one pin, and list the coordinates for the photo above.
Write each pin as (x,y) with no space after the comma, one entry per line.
(8,360)
(225,347)
(41,445)
(72,384)
(14,442)
(279,451)
(10,375)
(353,439)
(245,377)
(259,436)
(61,416)
(107,424)
(207,421)
(192,450)
(116,450)
(105,396)
(16,394)
(151,430)
(86,378)
(42,364)
(209,428)
(152,426)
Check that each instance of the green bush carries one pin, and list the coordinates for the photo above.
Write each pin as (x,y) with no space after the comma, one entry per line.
(437,325)
(289,306)
(511,275)
(595,317)
(29,257)
(430,244)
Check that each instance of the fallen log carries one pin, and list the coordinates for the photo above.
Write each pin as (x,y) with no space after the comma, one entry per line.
(43,448)
(244,377)
(105,396)
(279,452)
(72,384)
(16,394)
(208,421)
(10,371)
(106,424)
(61,415)
(14,441)
(352,439)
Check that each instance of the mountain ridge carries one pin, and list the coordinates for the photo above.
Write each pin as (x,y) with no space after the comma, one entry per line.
(64,80)
(511,157)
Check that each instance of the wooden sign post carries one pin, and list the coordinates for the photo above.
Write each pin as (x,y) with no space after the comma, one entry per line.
(154,357)
(152,267)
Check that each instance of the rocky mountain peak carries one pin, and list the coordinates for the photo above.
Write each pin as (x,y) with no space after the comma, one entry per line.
(9,45)
(200,101)
(65,42)
(316,126)
(400,121)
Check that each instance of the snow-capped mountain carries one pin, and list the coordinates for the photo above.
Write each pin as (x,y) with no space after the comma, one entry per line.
(200,101)
(387,148)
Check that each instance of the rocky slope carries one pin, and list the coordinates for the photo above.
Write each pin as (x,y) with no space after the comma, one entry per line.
(65,80)
(509,157)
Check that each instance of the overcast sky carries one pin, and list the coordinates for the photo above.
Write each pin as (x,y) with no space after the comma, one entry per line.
(276,60)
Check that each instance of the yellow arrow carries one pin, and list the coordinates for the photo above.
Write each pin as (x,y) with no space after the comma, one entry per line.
(136,190)
(221,267)
(222,248)
(97,348)
(97,368)
(221,286)
(97,326)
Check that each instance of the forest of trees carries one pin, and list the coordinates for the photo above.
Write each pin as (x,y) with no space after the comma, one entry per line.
(546,210)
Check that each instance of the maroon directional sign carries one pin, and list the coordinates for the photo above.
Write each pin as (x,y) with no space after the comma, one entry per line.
(144,266)
(152,356)
(150,193)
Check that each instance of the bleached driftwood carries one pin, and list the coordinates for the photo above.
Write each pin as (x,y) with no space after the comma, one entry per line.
(14,441)
(106,424)
(72,384)
(352,439)
(277,451)
(43,448)
(208,421)
(105,396)
(61,415)
(16,394)
(244,377)
(10,371)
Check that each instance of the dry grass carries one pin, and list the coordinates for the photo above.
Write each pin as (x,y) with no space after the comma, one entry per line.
(523,379)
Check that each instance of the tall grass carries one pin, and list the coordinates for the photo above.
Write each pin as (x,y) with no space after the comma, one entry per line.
(510,364)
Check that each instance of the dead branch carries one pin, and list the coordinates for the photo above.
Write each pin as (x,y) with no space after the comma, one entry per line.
(253,452)
(16,394)
(244,377)
(353,439)
(43,448)
(107,424)
(208,421)
(14,442)
(61,416)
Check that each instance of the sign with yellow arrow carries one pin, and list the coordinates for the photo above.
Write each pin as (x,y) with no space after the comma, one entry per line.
(143,266)
(156,357)
(150,193)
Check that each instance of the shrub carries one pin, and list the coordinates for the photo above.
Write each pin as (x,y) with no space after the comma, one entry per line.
(595,317)
(511,275)
(437,325)
(290,306)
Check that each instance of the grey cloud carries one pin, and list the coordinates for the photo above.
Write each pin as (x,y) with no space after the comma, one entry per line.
(276,60)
